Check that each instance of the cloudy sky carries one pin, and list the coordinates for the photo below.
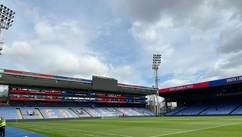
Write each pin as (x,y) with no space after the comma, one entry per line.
(199,39)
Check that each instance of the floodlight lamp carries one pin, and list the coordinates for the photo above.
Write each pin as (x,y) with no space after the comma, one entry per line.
(6,19)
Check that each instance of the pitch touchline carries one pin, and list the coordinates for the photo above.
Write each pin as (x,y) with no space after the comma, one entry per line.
(195,130)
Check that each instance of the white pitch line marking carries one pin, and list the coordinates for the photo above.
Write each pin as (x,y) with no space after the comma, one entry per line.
(171,128)
(187,131)
(89,135)
(121,135)
(109,134)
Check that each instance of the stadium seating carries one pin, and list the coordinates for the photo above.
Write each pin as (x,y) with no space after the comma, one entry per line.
(192,110)
(144,111)
(175,111)
(114,110)
(8,113)
(13,113)
(30,113)
(129,112)
(220,109)
(104,112)
(80,112)
(56,112)
(92,111)
(237,111)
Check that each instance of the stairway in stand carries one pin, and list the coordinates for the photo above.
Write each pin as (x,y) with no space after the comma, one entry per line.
(19,113)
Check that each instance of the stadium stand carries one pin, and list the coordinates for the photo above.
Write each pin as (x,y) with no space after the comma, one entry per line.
(30,113)
(220,109)
(104,112)
(80,112)
(57,112)
(129,112)
(174,111)
(145,112)
(115,111)
(237,111)
(92,112)
(28,96)
(192,110)
(8,113)
(218,97)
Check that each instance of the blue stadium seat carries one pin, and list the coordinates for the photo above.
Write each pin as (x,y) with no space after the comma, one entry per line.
(129,111)
(57,112)
(92,111)
(221,109)
(237,111)
(30,113)
(144,111)
(80,112)
(174,111)
(192,110)
(8,113)
(11,113)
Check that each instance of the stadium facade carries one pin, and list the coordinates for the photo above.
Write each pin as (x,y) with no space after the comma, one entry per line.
(27,95)
(217,97)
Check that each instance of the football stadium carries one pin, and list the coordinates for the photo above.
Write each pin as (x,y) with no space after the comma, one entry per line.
(62,106)
(42,93)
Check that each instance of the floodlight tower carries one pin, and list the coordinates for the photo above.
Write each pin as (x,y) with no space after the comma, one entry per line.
(6,21)
(155,67)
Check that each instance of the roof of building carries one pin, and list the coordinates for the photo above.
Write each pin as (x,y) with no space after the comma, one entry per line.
(16,77)
(207,84)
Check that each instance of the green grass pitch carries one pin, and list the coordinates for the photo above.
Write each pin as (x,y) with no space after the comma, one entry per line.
(138,127)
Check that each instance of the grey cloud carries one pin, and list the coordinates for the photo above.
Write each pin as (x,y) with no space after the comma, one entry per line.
(143,10)
(235,5)
(227,65)
(230,40)
(151,10)
(200,14)
(232,61)
(207,20)
(202,19)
